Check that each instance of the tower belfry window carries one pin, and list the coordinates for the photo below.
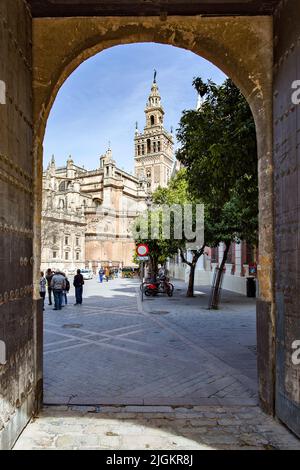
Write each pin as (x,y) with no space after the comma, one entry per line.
(152,120)
(148,146)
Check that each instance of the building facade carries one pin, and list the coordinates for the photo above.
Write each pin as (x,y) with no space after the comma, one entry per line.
(88,215)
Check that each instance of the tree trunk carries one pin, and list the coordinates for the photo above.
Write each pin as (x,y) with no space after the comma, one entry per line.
(154,268)
(190,291)
(192,265)
(217,287)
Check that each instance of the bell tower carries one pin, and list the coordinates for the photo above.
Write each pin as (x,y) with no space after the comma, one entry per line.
(154,148)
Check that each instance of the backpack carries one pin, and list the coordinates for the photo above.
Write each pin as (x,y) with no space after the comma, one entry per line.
(58,282)
(67,285)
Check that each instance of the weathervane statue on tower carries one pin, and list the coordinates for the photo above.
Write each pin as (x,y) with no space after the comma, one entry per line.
(155,75)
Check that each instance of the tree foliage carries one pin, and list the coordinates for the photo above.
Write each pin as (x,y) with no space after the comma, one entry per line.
(218,149)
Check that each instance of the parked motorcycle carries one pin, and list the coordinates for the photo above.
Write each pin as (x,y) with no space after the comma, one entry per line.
(161,286)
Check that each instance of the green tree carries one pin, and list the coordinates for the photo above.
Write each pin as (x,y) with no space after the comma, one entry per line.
(178,193)
(147,229)
(218,149)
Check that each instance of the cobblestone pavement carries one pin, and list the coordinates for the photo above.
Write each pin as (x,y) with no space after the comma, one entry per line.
(186,376)
(134,428)
(167,351)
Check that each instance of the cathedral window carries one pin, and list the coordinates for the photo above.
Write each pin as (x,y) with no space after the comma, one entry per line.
(139,150)
(54,254)
(148,146)
(152,118)
(66,240)
(77,241)
(148,174)
(62,186)
(54,239)
(66,255)
(77,256)
(154,147)
(143,149)
(158,146)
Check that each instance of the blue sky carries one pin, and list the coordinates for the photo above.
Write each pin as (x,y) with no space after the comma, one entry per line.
(102,100)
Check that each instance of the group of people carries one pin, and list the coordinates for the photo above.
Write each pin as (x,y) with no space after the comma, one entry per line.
(58,284)
(106,273)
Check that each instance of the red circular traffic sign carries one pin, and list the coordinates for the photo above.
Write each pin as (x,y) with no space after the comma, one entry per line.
(142,250)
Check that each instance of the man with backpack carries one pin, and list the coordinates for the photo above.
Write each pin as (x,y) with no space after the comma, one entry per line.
(78,284)
(58,285)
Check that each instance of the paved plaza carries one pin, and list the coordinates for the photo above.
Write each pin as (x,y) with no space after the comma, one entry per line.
(114,349)
(165,373)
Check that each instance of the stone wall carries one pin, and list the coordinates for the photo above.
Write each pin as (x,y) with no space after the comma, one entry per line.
(204,277)
(287,210)
(17,317)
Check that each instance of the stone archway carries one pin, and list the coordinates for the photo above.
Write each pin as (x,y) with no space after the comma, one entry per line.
(242,47)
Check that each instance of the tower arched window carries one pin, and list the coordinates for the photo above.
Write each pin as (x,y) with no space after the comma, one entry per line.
(152,119)
(139,150)
(154,147)
(143,149)
(158,146)
(148,173)
(148,146)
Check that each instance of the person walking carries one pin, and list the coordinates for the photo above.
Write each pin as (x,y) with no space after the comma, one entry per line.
(43,283)
(58,284)
(107,273)
(49,276)
(78,284)
(101,275)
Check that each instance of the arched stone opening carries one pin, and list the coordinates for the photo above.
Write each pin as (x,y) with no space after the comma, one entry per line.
(240,47)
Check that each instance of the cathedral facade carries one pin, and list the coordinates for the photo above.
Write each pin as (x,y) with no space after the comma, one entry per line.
(88,215)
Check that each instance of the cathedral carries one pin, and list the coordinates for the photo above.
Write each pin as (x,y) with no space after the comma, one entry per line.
(87,215)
